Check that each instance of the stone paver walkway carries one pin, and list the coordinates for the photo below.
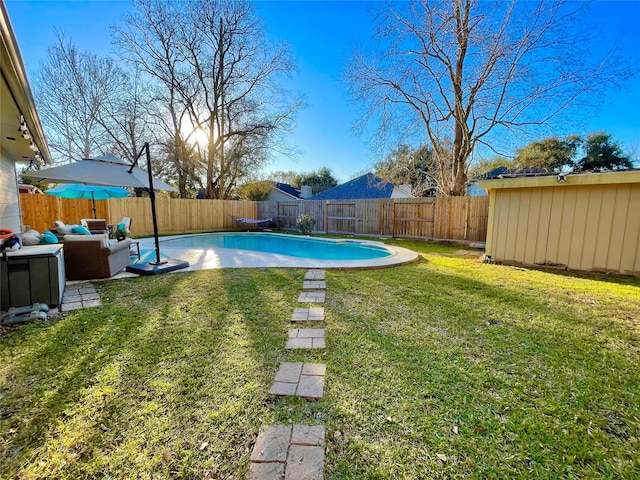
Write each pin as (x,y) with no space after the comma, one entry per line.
(293,452)
(296,452)
(301,379)
(311,314)
(80,295)
(312,296)
(314,275)
(305,338)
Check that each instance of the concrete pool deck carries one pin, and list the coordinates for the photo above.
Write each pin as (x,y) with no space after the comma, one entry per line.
(205,259)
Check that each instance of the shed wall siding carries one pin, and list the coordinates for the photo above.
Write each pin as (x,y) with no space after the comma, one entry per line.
(582,227)
(9,198)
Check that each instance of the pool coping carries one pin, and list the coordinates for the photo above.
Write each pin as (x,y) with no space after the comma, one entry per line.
(205,259)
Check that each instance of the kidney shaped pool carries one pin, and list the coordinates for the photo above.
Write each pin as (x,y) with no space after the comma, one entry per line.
(281,250)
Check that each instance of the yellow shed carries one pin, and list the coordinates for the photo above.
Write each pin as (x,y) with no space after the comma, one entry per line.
(585,222)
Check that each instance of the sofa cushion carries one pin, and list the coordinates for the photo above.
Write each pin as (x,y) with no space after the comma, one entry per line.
(103,238)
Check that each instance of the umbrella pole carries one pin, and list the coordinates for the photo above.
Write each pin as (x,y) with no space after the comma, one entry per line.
(93,202)
(152,197)
(158,266)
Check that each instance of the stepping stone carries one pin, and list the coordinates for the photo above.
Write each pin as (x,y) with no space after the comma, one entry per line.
(308,435)
(294,452)
(312,296)
(81,296)
(314,275)
(265,471)
(312,314)
(314,284)
(67,307)
(272,444)
(91,303)
(301,379)
(305,463)
(70,298)
(306,338)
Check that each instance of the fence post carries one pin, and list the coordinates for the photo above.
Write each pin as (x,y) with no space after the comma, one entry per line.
(326,216)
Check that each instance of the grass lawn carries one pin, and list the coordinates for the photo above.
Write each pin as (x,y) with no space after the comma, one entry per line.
(445,368)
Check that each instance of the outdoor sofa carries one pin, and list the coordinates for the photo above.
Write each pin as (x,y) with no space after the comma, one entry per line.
(91,256)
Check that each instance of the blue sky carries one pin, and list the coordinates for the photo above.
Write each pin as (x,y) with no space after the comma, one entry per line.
(321,35)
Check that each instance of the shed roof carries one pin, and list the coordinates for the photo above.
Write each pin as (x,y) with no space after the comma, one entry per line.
(564,179)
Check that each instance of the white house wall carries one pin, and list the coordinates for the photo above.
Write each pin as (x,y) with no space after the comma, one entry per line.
(9,198)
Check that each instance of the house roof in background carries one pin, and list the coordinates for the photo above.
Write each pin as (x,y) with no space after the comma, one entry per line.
(287,189)
(500,172)
(365,186)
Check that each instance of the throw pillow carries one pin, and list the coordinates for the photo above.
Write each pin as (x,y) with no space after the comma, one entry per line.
(80,230)
(62,228)
(31,237)
(48,237)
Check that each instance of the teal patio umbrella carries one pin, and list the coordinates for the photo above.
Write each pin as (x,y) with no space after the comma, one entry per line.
(89,192)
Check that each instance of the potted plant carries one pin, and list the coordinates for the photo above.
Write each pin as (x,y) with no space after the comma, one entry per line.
(121,232)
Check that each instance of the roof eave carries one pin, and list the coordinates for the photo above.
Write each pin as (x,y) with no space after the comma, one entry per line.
(12,67)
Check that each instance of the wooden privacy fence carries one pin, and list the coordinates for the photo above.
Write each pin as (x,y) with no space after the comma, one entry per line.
(443,218)
(454,218)
(174,215)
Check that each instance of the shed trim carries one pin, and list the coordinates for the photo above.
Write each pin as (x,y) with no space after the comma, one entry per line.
(570,179)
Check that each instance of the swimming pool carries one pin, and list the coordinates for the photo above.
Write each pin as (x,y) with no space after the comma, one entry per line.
(294,246)
(245,250)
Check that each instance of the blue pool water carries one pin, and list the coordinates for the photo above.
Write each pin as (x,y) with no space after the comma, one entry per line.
(282,244)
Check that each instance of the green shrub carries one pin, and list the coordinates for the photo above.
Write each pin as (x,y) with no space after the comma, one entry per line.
(306,223)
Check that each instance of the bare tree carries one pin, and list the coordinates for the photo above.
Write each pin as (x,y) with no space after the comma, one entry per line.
(464,72)
(70,87)
(126,113)
(219,76)
(88,104)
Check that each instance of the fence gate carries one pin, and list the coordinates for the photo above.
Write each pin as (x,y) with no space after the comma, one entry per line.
(341,217)
(413,220)
(287,214)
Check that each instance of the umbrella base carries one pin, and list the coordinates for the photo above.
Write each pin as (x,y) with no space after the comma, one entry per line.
(153,268)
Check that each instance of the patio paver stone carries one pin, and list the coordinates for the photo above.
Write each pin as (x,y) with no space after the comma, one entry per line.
(306,338)
(265,471)
(272,444)
(307,435)
(79,296)
(283,451)
(311,296)
(305,463)
(312,314)
(314,274)
(301,379)
(314,284)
